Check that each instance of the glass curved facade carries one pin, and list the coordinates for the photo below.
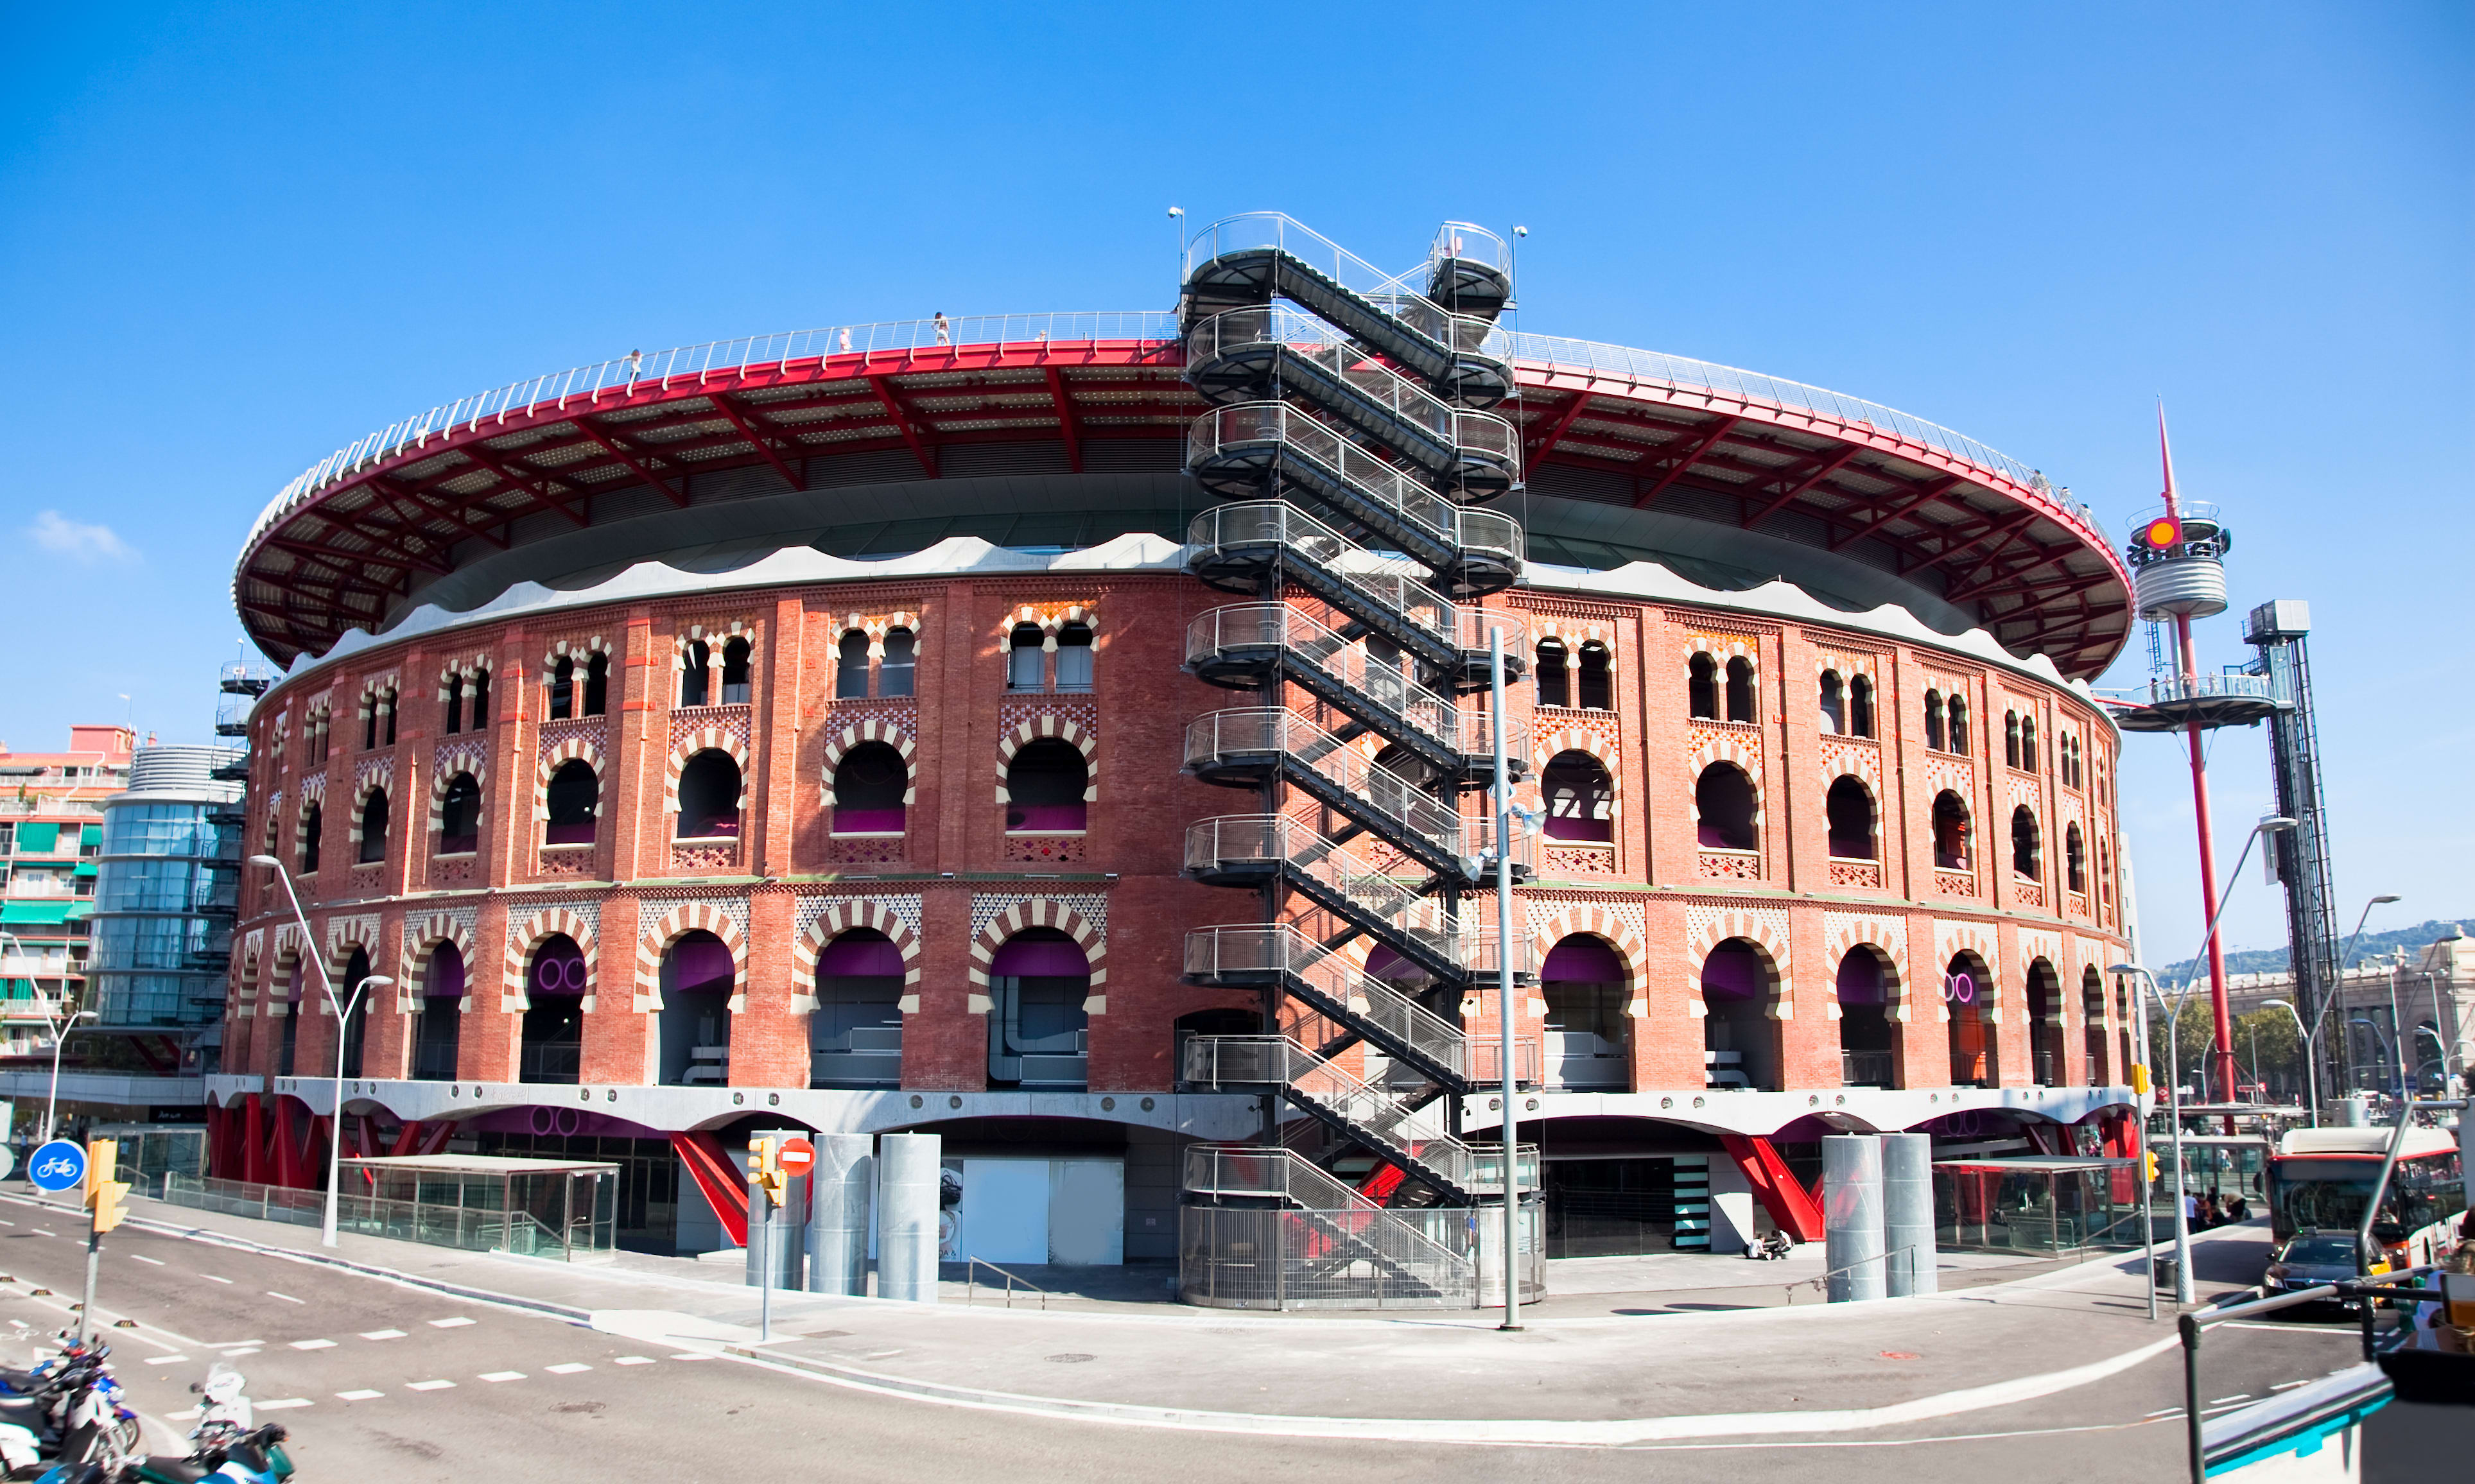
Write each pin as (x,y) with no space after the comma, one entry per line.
(163,912)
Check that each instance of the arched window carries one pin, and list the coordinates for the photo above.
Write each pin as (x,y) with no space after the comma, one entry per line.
(574,803)
(2026,845)
(1722,800)
(370,724)
(442,1003)
(1958,725)
(697,978)
(901,663)
(869,785)
(1037,1027)
(313,821)
(562,689)
(1597,691)
(1026,666)
(1554,681)
(1044,787)
(1834,705)
(1583,983)
(1950,832)
(1860,705)
(1867,1047)
(374,827)
(459,817)
(695,674)
(1074,657)
(284,1058)
(1933,720)
(1740,1036)
(2104,873)
(2011,738)
(850,667)
(387,737)
(1850,810)
(709,796)
(1702,688)
(1740,690)
(552,1033)
(597,684)
(356,968)
(855,1032)
(481,699)
(2074,859)
(454,721)
(2028,757)
(2045,1026)
(1581,798)
(735,656)
(2093,1026)
(1968,991)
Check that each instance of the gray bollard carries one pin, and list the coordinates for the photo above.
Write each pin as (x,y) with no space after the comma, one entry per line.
(910,1172)
(843,1185)
(1852,1215)
(1909,1214)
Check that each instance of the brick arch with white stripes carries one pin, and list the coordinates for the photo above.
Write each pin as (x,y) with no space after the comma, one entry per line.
(530,933)
(858,733)
(1047,725)
(1763,936)
(1040,912)
(841,918)
(671,926)
(422,937)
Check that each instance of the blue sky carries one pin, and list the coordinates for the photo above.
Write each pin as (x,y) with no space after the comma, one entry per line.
(236,237)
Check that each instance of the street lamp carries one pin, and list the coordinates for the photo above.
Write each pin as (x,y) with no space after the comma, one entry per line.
(2274,824)
(343,1033)
(2311,1087)
(2183,1290)
(59,1028)
(2338,990)
(2374,1026)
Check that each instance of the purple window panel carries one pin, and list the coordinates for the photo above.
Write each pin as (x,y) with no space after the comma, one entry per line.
(1734,974)
(1040,958)
(578,834)
(1045,817)
(1582,960)
(868,821)
(701,965)
(446,977)
(557,971)
(1860,980)
(849,957)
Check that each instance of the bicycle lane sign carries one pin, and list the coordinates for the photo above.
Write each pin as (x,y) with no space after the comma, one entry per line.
(58,1165)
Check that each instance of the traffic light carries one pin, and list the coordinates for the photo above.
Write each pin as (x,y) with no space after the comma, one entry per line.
(2139,1080)
(103,1194)
(2148,1166)
(765,1162)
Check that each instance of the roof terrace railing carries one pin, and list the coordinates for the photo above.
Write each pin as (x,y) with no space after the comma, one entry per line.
(665,369)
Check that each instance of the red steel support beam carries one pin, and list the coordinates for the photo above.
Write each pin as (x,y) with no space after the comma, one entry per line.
(746,425)
(523,476)
(634,459)
(1819,471)
(1708,442)
(1563,423)
(902,425)
(1923,497)
(1067,422)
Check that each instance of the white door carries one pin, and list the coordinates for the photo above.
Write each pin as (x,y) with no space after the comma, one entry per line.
(1005,1210)
(1087,1212)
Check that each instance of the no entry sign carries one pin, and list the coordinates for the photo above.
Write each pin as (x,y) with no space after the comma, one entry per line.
(797,1156)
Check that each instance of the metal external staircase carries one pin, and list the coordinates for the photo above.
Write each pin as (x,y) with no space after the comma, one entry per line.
(1351,438)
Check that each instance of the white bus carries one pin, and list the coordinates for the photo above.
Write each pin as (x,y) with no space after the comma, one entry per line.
(2319,1178)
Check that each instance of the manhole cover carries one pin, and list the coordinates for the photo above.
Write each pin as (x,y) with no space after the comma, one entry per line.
(1069,1358)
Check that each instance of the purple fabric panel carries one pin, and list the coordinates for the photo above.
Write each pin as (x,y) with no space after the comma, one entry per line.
(868,821)
(855,957)
(1564,827)
(557,971)
(1860,979)
(578,834)
(1040,958)
(1045,817)
(1386,964)
(700,963)
(1582,960)
(446,977)
(1732,974)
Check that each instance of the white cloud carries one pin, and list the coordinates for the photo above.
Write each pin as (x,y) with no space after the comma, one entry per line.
(56,532)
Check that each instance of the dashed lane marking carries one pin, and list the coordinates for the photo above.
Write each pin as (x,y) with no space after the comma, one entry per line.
(2290,1385)
(2163,1412)
(152,1262)
(358,1395)
(570,1368)
(428,1385)
(313,1345)
(167,1360)
(286,1297)
(283,1403)
(633,1360)
(502,1375)
(381,1334)
(2241,1396)
(449,1324)
(236,1354)
(211,1279)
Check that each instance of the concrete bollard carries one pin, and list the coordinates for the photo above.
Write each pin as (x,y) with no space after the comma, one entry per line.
(1852,1215)
(910,1172)
(1908,1215)
(844,1189)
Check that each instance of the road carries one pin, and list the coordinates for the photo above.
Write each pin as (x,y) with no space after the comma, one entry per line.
(382,1382)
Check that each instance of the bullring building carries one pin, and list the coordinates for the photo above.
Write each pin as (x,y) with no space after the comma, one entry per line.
(1071,735)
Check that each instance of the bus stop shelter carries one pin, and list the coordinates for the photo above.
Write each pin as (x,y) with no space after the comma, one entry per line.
(2043,1204)
(539,1207)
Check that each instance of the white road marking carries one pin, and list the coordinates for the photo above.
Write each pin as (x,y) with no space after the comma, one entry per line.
(2290,1385)
(381,1334)
(7,1224)
(166,1360)
(286,1297)
(39,1232)
(358,1395)
(2163,1412)
(691,1355)
(2241,1396)
(225,1345)
(154,1262)
(633,1360)
(428,1385)
(502,1375)
(236,1354)
(449,1323)
(281,1403)
(211,1279)
(313,1345)
(569,1369)
(181,1417)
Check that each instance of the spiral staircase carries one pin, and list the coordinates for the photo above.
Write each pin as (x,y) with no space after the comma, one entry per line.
(1353,440)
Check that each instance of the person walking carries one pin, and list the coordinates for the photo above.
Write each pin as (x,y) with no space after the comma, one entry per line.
(944,329)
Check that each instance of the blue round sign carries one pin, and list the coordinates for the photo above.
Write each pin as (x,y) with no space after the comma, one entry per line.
(58,1165)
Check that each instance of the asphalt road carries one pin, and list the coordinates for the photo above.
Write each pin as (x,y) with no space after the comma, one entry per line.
(381,1382)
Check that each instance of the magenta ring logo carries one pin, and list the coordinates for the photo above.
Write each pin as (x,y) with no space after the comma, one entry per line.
(1958,990)
(559,976)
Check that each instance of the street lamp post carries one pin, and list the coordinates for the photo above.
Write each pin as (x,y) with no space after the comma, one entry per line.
(2338,990)
(2183,1290)
(1504,988)
(2374,1026)
(344,1013)
(59,1026)
(2397,1032)
(2311,1085)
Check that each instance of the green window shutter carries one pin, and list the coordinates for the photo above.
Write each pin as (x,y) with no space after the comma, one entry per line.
(89,835)
(84,868)
(35,914)
(35,837)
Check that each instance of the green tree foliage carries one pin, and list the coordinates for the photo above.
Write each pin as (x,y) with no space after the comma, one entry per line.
(2279,1057)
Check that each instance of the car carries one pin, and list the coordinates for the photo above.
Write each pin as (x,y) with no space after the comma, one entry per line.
(2308,1260)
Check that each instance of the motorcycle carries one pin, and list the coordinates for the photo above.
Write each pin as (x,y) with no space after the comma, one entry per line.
(1769,1248)
(74,1413)
(227,1447)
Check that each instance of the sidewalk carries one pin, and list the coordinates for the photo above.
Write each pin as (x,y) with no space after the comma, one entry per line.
(1603,1368)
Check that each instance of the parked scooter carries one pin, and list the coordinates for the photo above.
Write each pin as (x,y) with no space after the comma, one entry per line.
(229,1447)
(1769,1248)
(73,1412)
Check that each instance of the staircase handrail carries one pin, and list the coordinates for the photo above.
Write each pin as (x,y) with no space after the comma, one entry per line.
(1260,1170)
(1380,902)
(1409,401)
(1283,626)
(1384,485)
(1384,578)
(1258,946)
